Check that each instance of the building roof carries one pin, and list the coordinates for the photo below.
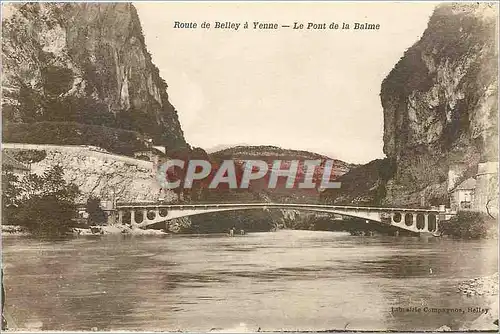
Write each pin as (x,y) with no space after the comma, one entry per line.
(468,184)
(160,148)
(9,161)
(153,150)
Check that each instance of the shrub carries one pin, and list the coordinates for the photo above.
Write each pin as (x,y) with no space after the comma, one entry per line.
(47,215)
(70,133)
(28,156)
(97,216)
(44,204)
(468,225)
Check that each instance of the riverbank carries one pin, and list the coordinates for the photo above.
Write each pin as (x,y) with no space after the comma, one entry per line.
(486,286)
(482,286)
(16,230)
(115,229)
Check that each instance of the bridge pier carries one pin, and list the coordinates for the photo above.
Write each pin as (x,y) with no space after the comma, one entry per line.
(132,217)
(120,217)
(426,222)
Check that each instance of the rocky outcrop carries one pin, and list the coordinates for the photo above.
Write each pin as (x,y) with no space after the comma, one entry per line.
(440,107)
(440,103)
(482,286)
(81,63)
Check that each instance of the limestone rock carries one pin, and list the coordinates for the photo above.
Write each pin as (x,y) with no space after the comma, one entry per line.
(440,102)
(85,63)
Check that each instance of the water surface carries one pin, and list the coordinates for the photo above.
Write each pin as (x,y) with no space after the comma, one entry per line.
(287,280)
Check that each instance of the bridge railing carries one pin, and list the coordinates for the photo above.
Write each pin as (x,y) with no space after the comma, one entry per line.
(291,206)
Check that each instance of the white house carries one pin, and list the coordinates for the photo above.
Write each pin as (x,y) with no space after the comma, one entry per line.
(462,196)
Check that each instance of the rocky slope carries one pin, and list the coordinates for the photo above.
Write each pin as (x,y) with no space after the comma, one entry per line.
(248,151)
(271,153)
(440,108)
(86,66)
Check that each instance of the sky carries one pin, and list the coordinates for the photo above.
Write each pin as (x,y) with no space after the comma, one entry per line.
(307,89)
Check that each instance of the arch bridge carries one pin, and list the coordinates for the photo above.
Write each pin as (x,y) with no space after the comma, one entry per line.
(411,219)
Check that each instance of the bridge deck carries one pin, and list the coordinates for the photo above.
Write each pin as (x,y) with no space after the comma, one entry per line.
(291,206)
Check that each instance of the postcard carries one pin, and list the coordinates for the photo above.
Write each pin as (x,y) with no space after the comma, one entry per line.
(249,166)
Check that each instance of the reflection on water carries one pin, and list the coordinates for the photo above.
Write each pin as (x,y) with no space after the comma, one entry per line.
(284,280)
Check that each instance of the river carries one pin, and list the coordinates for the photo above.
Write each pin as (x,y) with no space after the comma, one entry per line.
(286,280)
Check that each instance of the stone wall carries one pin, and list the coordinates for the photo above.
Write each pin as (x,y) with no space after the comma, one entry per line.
(486,193)
(105,175)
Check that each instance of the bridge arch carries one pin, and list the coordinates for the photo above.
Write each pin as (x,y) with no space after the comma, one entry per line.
(432,222)
(137,217)
(151,214)
(162,212)
(420,221)
(409,219)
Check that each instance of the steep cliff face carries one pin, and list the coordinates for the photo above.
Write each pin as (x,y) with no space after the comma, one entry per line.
(441,103)
(86,64)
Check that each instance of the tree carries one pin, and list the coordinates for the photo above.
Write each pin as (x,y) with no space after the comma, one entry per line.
(10,187)
(469,225)
(10,195)
(47,203)
(97,216)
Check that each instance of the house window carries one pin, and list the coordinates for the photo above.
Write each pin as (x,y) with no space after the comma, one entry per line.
(466,200)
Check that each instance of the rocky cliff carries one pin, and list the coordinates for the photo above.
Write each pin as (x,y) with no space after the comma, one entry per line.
(72,71)
(440,105)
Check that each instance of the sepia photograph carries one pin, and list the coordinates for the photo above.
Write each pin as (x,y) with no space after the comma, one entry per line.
(249,166)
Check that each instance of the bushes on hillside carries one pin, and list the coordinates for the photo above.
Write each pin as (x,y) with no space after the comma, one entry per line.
(28,156)
(97,216)
(469,225)
(44,204)
(70,133)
